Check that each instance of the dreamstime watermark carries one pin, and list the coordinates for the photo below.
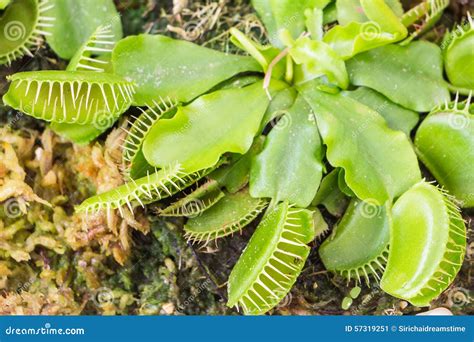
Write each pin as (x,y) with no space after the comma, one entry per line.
(361,128)
(459,296)
(14,31)
(192,298)
(285,25)
(458,32)
(282,119)
(47,329)
(16,118)
(193,30)
(369,208)
(20,288)
(459,121)
(12,208)
(285,302)
(103,296)
(370,31)
(366,301)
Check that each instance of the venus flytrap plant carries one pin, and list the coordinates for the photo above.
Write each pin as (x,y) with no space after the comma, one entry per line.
(173,139)
(87,59)
(358,246)
(151,188)
(445,144)
(359,140)
(289,168)
(427,245)
(76,22)
(74,97)
(22,25)
(383,28)
(423,17)
(196,202)
(272,260)
(458,55)
(260,131)
(101,41)
(135,163)
(314,63)
(227,216)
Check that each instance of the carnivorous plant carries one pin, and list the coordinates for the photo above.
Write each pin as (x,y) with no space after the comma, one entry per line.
(319,117)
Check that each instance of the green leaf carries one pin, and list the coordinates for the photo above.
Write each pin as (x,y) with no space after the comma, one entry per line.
(427,245)
(358,244)
(347,41)
(316,59)
(77,20)
(263,54)
(283,100)
(290,166)
(229,215)
(272,260)
(90,56)
(445,144)
(411,76)
(330,13)
(379,12)
(423,17)
(79,134)
(22,25)
(341,183)
(236,175)
(75,97)
(219,122)
(459,56)
(379,163)
(315,23)
(383,28)
(285,14)
(351,10)
(397,117)
(4,4)
(330,195)
(162,67)
(196,202)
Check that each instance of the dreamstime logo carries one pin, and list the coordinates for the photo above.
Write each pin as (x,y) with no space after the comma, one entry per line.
(192,298)
(12,208)
(459,296)
(370,31)
(103,120)
(15,119)
(193,30)
(193,208)
(284,120)
(458,32)
(14,31)
(459,121)
(103,296)
(286,301)
(369,208)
